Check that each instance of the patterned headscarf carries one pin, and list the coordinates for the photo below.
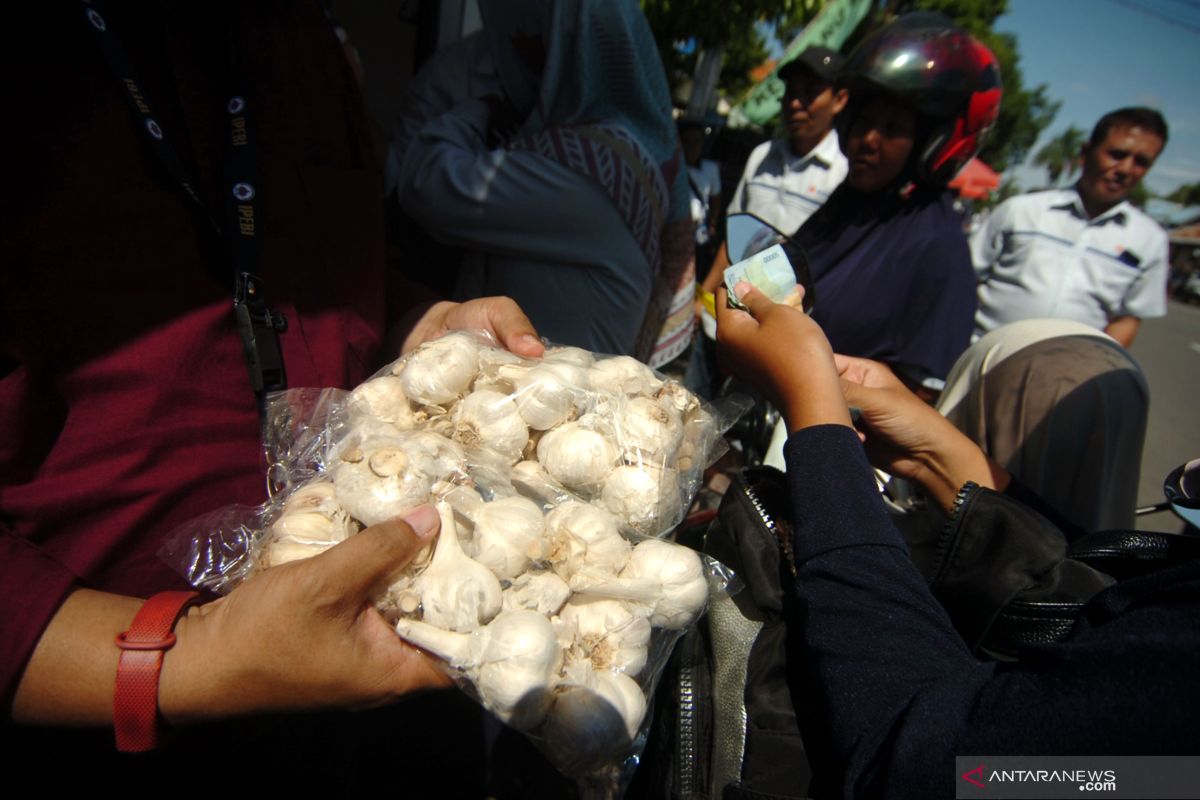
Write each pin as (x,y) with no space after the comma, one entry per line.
(601,108)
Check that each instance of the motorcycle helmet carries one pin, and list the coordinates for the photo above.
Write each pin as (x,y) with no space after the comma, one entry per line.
(944,74)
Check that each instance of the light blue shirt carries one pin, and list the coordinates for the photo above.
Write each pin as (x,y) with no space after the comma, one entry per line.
(1039,255)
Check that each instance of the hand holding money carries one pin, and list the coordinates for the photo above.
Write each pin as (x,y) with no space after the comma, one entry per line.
(770,272)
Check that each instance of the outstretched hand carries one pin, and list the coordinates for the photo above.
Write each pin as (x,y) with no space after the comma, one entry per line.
(304,635)
(785,354)
(499,316)
(905,436)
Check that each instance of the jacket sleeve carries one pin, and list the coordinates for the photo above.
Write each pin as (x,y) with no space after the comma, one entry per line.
(890,692)
(499,200)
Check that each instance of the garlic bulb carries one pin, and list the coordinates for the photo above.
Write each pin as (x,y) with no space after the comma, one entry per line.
(513,662)
(569,355)
(490,419)
(440,371)
(623,375)
(644,497)
(310,523)
(578,457)
(532,481)
(609,633)
(457,593)
(507,530)
(666,579)
(650,432)
(549,393)
(381,477)
(594,719)
(584,539)
(543,592)
(383,399)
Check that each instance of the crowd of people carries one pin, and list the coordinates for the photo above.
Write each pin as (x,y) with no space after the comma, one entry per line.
(544,149)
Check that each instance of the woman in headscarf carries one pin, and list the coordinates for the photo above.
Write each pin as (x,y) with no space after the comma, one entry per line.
(568,191)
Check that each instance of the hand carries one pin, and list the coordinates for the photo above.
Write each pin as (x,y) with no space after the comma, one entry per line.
(906,437)
(303,635)
(499,316)
(783,353)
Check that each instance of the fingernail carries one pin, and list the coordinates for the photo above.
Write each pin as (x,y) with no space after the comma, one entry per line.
(740,289)
(529,342)
(423,520)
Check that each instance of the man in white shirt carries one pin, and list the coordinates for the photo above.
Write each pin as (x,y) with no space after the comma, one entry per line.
(1083,253)
(786,180)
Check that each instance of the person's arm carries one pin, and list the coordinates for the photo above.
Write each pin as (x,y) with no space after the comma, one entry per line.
(905,436)
(1146,297)
(512,202)
(987,241)
(304,635)
(1123,329)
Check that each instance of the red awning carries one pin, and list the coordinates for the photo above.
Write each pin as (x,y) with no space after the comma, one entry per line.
(976,181)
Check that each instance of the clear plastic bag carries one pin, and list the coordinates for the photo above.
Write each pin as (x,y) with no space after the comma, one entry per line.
(550,592)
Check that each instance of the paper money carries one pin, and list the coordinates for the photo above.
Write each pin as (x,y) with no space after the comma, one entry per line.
(770,272)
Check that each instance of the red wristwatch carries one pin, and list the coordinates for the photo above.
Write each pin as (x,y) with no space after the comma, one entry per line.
(135,699)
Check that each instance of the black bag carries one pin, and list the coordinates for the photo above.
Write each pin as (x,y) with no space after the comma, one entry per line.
(728,725)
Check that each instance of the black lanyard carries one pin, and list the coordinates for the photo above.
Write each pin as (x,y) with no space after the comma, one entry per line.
(258,326)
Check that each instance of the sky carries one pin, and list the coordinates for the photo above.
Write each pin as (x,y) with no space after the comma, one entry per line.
(1099,55)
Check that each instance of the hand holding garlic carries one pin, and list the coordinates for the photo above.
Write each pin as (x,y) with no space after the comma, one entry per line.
(545,590)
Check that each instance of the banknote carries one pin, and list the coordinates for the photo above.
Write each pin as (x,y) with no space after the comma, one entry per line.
(770,272)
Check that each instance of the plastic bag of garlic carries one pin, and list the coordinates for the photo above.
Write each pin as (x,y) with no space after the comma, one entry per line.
(548,592)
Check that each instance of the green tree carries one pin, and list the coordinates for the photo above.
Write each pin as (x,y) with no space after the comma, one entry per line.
(736,25)
(1024,112)
(1186,195)
(1060,155)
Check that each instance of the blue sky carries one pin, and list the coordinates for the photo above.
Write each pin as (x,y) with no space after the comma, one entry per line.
(1098,55)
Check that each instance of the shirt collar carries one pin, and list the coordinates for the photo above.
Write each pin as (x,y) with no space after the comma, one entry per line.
(1071,202)
(824,154)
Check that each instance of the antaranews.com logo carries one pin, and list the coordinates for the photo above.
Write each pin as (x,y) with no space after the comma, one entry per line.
(1003,777)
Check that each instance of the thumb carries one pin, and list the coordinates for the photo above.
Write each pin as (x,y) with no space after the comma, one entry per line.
(757,303)
(369,560)
(513,328)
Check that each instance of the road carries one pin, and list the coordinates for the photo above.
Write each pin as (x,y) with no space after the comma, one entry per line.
(1168,350)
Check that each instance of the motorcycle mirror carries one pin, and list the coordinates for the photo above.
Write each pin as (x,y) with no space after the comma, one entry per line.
(746,234)
(1182,489)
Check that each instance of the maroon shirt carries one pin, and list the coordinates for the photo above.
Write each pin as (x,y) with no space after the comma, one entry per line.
(125,407)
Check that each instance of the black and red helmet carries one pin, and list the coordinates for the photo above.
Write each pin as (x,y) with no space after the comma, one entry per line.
(940,71)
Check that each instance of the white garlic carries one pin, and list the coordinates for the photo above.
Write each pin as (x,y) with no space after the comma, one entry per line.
(649,432)
(457,593)
(585,539)
(576,456)
(512,662)
(548,393)
(440,371)
(667,579)
(623,375)
(595,719)
(531,480)
(381,477)
(507,531)
(543,592)
(644,497)
(609,633)
(569,355)
(490,419)
(383,399)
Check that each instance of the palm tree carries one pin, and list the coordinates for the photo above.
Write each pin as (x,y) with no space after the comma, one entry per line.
(1060,155)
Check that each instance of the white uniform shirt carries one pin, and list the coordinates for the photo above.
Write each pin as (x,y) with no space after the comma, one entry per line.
(1040,256)
(785,189)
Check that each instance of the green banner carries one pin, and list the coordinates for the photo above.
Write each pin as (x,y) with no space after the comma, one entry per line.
(830,29)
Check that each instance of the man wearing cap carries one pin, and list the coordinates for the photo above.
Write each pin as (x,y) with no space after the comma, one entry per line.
(787,179)
(1083,253)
